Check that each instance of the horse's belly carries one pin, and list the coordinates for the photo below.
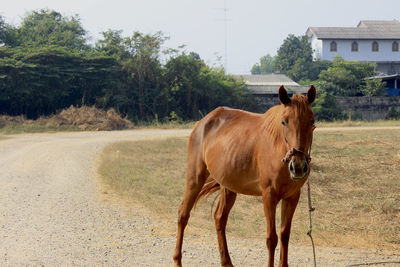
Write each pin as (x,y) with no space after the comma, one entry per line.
(247,185)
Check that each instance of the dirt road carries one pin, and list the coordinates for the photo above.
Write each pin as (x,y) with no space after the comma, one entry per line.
(52,213)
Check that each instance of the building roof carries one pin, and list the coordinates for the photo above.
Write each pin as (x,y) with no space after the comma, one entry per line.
(268,79)
(385,77)
(270,83)
(366,29)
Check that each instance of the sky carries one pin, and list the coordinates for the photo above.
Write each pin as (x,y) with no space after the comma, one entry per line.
(253,28)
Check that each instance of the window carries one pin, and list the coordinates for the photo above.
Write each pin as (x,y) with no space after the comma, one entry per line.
(375,46)
(395,46)
(333,46)
(354,47)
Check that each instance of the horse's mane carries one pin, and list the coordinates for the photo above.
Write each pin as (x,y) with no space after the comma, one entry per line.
(273,121)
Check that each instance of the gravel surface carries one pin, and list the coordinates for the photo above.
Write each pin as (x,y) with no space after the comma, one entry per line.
(53,213)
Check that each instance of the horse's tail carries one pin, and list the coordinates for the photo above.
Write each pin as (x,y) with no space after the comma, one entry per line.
(211,186)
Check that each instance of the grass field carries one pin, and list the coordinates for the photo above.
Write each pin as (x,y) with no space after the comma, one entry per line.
(350,123)
(354,179)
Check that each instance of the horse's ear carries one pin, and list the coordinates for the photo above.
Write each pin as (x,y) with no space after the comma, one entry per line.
(283,96)
(311,94)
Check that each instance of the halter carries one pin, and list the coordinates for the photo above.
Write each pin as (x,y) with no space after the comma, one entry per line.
(293,151)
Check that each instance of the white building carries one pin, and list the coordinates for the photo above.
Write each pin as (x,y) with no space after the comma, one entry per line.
(371,41)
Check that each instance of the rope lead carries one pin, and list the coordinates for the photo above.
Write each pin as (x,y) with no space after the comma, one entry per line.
(310,210)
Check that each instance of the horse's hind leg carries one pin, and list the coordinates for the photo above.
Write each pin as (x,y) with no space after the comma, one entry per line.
(226,200)
(195,178)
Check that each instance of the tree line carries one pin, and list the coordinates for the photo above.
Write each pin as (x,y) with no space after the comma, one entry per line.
(47,63)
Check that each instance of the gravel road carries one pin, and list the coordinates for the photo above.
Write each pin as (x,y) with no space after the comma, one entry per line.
(53,213)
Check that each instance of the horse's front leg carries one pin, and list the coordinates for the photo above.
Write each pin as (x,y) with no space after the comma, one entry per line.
(270,202)
(288,208)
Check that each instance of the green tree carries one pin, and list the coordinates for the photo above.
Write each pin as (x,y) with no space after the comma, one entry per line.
(182,74)
(196,89)
(224,90)
(3,30)
(143,72)
(40,81)
(8,34)
(266,65)
(345,78)
(294,59)
(373,87)
(113,44)
(300,70)
(50,28)
(325,108)
(294,48)
(140,92)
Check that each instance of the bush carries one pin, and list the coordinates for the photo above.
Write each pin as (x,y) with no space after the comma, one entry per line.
(325,108)
(373,87)
(393,114)
(347,78)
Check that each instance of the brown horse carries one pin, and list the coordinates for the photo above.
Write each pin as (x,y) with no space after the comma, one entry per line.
(238,152)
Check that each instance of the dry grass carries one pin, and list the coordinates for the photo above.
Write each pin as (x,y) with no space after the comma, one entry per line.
(166,125)
(350,123)
(355,189)
(89,119)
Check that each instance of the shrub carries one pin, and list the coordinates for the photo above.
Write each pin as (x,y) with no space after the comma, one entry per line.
(325,108)
(393,114)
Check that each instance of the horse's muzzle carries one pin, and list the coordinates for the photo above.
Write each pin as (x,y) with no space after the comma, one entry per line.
(298,168)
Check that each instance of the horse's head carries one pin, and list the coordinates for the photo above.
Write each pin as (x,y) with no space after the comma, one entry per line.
(298,124)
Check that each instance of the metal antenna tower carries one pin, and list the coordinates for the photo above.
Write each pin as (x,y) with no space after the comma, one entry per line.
(226,36)
(225,20)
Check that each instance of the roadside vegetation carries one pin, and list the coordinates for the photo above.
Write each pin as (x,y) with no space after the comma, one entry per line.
(71,119)
(354,189)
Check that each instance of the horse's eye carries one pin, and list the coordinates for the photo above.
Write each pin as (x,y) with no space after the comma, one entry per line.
(283,123)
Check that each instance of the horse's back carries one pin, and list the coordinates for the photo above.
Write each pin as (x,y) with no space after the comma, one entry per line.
(225,139)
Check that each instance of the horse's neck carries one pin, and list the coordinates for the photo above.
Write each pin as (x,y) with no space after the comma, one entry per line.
(274,131)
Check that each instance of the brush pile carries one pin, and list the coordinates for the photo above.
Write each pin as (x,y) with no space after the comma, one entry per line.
(85,118)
